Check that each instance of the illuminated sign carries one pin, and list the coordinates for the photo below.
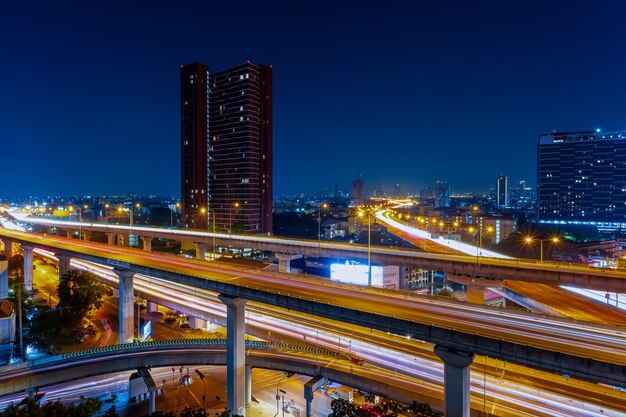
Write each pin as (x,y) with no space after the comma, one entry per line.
(382,276)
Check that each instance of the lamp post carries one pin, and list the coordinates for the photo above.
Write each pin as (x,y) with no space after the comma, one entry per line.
(286,375)
(554,240)
(138,318)
(172,216)
(204,211)
(230,221)
(201,375)
(319,223)
(369,245)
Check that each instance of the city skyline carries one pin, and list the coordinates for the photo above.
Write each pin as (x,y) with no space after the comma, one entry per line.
(101,112)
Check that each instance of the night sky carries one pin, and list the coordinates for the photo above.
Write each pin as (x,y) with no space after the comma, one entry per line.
(404,92)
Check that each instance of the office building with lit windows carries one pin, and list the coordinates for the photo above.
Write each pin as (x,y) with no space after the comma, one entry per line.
(581,176)
(238,155)
(442,194)
(502,191)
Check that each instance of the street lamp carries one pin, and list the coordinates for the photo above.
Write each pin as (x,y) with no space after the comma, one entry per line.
(319,223)
(201,375)
(230,215)
(530,240)
(204,211)
(285,375)
(172,216)
(369,245)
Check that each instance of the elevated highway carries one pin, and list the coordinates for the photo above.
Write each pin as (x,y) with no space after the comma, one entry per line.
(485,268)
(586,352)
(186,352)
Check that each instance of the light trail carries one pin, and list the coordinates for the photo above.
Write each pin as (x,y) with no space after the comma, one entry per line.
(331,337)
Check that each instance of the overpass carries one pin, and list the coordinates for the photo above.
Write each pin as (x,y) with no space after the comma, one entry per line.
(28,376)
(487,269)
(458,331)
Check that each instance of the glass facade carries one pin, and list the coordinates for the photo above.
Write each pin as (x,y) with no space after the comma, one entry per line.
(582,176)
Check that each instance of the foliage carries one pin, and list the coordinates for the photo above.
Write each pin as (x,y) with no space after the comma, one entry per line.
(31,408)
(16,266)
(445,292)
(190,412)
(79,293)
(388,408)
(87,408)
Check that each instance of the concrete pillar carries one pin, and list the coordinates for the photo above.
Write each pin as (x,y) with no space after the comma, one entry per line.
(309,406)
(309,391)
(151,402)
(475,294)
(456,381)
(70,233)
(147,243)
(8,248)
(235,354)
(28,267)
(64,263)
(152,307)
(126,307)
(111,238)
(4,279)
(197,323)
(248,385)
(284,261)
(86,236)
(201,251)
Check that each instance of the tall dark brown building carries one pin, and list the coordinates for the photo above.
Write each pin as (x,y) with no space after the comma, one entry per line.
(239,148)
(193,139)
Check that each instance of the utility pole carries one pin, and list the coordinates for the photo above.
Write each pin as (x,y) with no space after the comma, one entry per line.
(19,309)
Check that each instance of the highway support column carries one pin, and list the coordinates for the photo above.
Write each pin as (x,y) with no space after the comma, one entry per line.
(64,263)
(152,307)
(28,267)
(144,372)
(235,353)
(456,381)
(8,248)
(4,279)
(248,385)
(126,304)
(201,250)
(111,238)
(475,294)
(284,261)
(147,243)
(309,391)
(86,236)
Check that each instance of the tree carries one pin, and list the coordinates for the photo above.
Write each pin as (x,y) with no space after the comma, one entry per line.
(387,408)
(16,266)
(31,408)
(444,292)
(79,293)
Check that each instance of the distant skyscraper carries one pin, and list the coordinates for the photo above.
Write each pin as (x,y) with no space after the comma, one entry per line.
(238,150)
(357,193)
(442,194)
(582,176)
(194,137)
(502,191)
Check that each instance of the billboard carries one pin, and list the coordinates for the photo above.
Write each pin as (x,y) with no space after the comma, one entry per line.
(382,276)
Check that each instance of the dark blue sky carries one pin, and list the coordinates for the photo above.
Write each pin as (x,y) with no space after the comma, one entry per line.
(404,92)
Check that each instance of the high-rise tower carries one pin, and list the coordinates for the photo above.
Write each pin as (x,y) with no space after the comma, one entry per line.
(194,138)
(238,150)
